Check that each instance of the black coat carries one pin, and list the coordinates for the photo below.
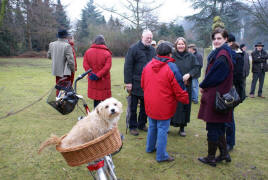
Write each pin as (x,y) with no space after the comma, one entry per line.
(239,66)
(246,65)
(238,79)
(137,57)
(187,63)
(200,60)
(258,60)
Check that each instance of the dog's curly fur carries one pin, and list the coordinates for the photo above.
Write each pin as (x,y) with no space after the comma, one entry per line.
(102,119)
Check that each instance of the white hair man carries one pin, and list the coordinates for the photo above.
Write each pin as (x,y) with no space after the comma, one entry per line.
(138,55)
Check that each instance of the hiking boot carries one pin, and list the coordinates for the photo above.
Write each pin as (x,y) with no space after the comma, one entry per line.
(144,129)
(134,132)
(224,150)
(169,159)
(210,159)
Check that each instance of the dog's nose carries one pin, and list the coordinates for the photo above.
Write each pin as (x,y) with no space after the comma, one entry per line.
(113,110)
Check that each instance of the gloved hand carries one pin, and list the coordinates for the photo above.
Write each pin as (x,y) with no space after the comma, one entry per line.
(93,77)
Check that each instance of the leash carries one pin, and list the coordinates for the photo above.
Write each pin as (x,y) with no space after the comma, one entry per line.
(11,113)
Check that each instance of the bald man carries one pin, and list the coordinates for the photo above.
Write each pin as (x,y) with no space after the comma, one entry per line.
(138,55)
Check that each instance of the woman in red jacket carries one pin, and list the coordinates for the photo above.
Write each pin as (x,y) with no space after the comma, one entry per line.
(98,58)
(163,87)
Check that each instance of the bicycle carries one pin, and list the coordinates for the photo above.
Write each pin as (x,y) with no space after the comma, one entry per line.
(66,100)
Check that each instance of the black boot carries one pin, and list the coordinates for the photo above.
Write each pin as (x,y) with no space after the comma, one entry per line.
(210,159)
(224,154)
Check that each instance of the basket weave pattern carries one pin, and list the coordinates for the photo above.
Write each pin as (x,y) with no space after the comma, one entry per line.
(93,150)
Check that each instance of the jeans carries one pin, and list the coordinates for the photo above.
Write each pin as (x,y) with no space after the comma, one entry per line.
(142,119)
(255,77)
(157,138)
(195,89)
(230,132)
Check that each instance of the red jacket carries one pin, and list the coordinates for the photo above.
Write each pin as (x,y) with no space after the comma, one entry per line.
(99,59)
(75,63)
(163,87)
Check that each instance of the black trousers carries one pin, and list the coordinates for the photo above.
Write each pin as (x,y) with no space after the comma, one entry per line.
(255,77)
(142,118)
(215,131)
(96,102)
(240,89)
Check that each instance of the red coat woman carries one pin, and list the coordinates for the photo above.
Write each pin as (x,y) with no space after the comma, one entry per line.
(98,58)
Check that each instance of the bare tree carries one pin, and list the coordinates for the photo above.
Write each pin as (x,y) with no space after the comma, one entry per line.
(259,10)
(139,13)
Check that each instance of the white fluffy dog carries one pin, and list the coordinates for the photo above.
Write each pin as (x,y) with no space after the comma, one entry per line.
(102,119)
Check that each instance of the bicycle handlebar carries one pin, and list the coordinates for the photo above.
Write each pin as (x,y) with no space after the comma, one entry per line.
(81,76)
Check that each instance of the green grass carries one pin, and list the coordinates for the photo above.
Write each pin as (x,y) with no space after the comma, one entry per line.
(22,81)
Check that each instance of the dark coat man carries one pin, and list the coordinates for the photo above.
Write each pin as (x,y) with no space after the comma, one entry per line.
(137,57)
(259,57)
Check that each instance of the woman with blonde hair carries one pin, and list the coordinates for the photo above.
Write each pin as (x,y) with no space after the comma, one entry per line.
(189,68)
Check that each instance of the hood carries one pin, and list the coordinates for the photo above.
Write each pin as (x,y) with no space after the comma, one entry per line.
(159,61)
(239,51)
(100,46)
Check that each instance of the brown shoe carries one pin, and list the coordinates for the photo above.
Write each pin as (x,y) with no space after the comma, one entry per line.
(169,159)
(134,132)
(261,96)
(251,96)
(144,129)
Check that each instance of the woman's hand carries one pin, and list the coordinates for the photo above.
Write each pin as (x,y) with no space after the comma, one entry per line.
(186,78)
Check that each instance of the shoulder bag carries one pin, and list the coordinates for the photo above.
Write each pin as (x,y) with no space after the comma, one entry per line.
(226,102)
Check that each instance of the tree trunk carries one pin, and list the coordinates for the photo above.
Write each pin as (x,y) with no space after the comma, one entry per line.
(2,12)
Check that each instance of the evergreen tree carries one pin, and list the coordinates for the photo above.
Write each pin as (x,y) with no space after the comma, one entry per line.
(19,21)
(7,35)
(176,30)
(61,17)
(228,10)
(163,30)
(90,15)
(170,31)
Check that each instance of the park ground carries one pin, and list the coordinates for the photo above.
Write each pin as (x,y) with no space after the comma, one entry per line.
(24,81)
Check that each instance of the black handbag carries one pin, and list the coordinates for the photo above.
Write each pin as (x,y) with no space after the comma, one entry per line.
(226,102)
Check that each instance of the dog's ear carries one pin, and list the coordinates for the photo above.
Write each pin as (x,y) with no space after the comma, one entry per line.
(98,109)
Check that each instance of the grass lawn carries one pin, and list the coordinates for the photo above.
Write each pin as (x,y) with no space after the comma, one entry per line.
(23,81)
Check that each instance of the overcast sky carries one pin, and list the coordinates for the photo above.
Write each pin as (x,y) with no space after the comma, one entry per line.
(170,10)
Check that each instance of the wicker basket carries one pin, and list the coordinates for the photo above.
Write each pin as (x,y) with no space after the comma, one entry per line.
(93,150)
